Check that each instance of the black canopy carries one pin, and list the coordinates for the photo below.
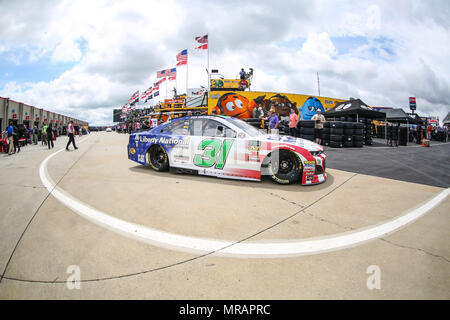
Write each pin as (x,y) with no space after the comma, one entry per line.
(398,115)
(354,107)
(447,119)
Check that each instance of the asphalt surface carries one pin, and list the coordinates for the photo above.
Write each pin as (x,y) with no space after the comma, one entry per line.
(412,163)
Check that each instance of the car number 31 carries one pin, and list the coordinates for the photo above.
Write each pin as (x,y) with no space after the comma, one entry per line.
(214,153)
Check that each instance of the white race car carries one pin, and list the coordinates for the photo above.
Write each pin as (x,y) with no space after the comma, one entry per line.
(227,147)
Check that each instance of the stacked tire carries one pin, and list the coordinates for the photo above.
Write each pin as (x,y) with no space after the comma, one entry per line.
(256,122)
(305,129)
(332,134)
(358,134)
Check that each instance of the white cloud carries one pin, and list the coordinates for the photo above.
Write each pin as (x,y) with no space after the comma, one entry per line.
(117,47)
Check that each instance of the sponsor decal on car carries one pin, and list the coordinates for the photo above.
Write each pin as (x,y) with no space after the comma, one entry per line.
(309,166)
(164,140)
(132,150)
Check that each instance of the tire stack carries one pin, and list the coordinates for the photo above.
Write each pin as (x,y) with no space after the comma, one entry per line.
(367,130)
(333,133)
(358,134)
(305,129)
(283,127)
(256,122)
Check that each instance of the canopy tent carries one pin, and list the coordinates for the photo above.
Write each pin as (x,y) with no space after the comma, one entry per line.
(354,107)
(447,119)
(400,116)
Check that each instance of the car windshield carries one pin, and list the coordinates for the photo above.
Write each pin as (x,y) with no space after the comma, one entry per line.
(250,130)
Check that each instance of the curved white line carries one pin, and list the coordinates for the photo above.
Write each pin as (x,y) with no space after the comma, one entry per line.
(230,248)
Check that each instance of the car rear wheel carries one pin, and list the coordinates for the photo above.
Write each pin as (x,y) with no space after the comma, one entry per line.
(285,167)
(158,159)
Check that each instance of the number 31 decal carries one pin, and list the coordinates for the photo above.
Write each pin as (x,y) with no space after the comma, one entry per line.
(214,153)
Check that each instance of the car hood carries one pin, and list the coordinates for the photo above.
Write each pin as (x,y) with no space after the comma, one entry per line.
(303,143)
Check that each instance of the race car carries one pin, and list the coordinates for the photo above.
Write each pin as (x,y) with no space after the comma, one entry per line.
(227,147)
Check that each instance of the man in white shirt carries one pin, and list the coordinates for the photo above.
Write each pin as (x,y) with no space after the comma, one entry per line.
(318,125)
(70,131)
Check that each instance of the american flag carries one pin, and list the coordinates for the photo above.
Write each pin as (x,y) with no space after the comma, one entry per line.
(182,57)
(147,92)
(161,74)
(171,72)
(173,78)
(202,39)
(149,98)
(156,94)
(161,81)
(134,97)
(166,73)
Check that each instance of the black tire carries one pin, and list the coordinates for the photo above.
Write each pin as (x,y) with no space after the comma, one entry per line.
(335,144)
(347,139)
(336,124)
(326,124)
(348,125)
(357,138)
(326,142)
(358,132)
(307,131)
(348,132)
(357,144)
(307,137)
(252,119)
(336,138)
(348,144)
(157,158)
(285,167)
(306,123)
(326,130)
(336,131)
(358,125)
(325,136)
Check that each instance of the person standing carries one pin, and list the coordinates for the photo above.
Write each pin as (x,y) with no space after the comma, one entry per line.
(429,131)
(273,122)
(293,120)
(44,134)
(318,125)
(242,74)
(16,139)
(35,135)
(50,136)
(70,131)
(10,131)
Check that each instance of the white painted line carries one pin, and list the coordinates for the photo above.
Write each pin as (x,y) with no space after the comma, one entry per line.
(260,249)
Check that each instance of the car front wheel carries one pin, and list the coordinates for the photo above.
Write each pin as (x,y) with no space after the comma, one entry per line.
(285,167)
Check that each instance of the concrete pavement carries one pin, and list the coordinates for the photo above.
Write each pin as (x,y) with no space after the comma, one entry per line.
(41,237)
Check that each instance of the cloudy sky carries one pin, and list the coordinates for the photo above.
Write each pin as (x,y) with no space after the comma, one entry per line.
(84,58)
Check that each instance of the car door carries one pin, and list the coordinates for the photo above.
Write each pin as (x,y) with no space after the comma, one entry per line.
(175,139)
(212,144)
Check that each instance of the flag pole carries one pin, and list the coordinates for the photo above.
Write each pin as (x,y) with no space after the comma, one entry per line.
(187,72)
(209,81)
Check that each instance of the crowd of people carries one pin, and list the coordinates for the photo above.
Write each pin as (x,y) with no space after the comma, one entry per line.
(146,118)
(20,135)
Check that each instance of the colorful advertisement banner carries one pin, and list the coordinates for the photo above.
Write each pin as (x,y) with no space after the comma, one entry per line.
(242,104)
